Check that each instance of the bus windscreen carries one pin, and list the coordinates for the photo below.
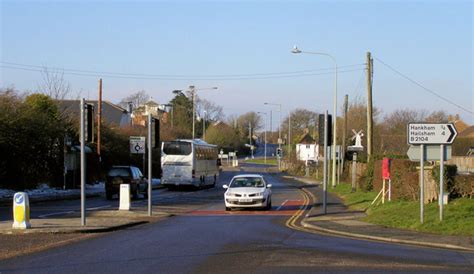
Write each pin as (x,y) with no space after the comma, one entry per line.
(177,148)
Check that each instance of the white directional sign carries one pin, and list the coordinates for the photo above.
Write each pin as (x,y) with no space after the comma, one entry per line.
(431,153)
(431,134)
(137,145)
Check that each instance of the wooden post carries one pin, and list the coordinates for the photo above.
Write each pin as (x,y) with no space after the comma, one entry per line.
(369,106)
(344,131)
(99,119)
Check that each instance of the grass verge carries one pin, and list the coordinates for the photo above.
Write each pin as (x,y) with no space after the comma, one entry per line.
(458,214)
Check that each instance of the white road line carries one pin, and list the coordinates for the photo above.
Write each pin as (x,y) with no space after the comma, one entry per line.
(99,207)
(57,213)
(282,204)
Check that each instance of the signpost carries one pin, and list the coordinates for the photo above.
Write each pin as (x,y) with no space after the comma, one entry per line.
(137,144)
(431,134)
(423,134)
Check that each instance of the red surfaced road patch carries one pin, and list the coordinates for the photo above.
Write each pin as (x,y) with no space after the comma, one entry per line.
(289,208)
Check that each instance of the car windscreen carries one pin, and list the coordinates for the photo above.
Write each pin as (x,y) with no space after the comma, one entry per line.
(247,182)
(177,148)
(123,172)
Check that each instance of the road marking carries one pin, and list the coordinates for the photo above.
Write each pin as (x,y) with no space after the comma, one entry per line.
(57,213)
(98,207)
(282,204)
(293,206)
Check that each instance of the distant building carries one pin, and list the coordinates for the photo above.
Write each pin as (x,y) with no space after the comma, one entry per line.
(140,114)
(111,113)
(307,149)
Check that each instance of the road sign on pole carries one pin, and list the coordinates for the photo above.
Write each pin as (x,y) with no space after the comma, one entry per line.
(137,145)
(422,135)
(431,153)
(431,134)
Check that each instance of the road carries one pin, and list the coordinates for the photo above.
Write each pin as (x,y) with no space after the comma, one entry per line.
(204,238)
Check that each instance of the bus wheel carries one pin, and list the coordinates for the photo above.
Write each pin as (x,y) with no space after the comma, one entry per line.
(215,180)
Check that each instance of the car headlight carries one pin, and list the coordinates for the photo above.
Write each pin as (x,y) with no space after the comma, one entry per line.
(229,194)
(260,193)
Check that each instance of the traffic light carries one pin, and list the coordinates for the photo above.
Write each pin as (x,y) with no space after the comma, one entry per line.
(89,123)
(279,152)
(321,130)
(155,133)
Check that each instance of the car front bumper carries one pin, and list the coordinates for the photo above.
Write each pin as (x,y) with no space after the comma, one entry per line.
(254,202)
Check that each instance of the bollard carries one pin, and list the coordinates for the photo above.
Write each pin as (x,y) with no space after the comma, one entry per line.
(21,211)
(124,197)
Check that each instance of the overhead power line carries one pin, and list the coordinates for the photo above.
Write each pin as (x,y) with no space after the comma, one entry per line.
(10,64)
(180,78)
(424,88)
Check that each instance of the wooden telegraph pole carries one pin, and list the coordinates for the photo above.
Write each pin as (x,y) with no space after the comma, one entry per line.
(99,119)
(369,106)
(344,131)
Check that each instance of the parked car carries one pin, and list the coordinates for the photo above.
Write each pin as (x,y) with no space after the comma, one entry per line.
(248,191)
(132,175)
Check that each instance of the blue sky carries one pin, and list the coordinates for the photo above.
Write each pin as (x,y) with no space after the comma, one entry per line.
(429,41)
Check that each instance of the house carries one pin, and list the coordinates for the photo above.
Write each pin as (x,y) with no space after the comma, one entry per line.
(307,149)
(111,113)
(140,114)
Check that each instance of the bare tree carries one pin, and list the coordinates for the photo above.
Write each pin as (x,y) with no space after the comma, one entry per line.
(136,99)
(214,112)
(54,85)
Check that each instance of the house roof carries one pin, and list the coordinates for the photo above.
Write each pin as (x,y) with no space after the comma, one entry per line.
(468,132)
(111,113)
(307,139)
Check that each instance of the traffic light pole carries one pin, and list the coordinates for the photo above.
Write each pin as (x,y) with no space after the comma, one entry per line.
(149,164)
(325,166)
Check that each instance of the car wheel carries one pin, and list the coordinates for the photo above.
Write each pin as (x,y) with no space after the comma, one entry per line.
(228,209)
(269,205)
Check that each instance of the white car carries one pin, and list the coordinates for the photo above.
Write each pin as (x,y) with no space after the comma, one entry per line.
(248,191)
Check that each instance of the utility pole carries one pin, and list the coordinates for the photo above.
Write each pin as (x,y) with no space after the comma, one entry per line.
(370,134)
(99,120)
(250,139)
(289,136)
(344,131)
(193,91)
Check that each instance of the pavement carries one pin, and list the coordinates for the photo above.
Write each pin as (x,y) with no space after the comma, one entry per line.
(342,221)
(96,221)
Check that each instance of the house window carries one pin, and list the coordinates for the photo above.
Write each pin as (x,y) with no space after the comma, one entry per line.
(308,146)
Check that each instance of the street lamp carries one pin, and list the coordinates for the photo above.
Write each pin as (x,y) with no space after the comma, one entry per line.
(279,132)
(296,50)
(193,90)
(265,134)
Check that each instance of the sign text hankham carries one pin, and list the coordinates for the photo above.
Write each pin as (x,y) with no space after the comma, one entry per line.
(426,133)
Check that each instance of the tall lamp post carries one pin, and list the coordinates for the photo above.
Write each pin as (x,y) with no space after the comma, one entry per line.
(279,132)
(193,90)
(296,50)
(265,136)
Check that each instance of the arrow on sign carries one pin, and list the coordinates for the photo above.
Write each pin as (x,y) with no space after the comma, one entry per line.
(454,133)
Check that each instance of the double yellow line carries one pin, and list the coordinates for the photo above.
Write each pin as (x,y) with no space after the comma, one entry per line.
(291,222)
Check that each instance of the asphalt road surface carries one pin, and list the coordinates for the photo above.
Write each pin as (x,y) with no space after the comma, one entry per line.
(204,238)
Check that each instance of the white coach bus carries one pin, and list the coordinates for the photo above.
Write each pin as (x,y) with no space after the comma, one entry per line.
(189,162)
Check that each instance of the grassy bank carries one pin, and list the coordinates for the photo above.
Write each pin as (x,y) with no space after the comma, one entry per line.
(458,214)
(270,161)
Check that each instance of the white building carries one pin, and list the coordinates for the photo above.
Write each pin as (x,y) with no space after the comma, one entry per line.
(307,149)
